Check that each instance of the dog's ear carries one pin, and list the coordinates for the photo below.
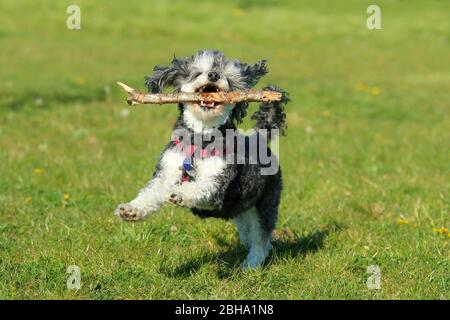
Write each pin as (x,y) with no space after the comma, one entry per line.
(252,73)
(167,76)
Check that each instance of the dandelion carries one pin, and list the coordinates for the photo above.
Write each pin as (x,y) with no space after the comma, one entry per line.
(80,81)
(375,91)
(38,171)
(238,12)
(402,221)
(66,198)
(441,230)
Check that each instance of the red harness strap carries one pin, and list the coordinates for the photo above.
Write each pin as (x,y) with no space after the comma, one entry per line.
(189,151)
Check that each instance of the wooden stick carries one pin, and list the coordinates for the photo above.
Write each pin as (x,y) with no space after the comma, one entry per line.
(136,97)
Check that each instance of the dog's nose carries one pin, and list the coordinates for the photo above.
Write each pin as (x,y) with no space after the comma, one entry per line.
(213,76)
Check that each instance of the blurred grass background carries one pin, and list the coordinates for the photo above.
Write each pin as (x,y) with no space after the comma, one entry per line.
(365,160)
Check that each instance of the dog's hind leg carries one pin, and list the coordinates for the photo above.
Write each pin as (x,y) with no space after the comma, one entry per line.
(243,228)
(257,238)
(261,222)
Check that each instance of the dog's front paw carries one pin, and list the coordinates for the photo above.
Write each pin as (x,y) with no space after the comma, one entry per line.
(128,212)
(178,200)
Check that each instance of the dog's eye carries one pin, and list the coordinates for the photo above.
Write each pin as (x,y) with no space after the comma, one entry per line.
(197,74)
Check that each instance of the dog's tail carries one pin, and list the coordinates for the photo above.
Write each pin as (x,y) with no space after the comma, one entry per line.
(271,116)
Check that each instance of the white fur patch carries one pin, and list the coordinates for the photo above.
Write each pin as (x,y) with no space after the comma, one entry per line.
(204,61)
(190,87)
(156,193)
(233,73)
(252,236)
(198,192)
(199,120)
(201,80)
(195,193)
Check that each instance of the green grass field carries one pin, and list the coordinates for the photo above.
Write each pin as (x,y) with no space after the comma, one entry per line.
(365,159)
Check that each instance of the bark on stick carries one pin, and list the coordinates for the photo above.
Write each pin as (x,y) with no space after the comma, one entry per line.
(136,97)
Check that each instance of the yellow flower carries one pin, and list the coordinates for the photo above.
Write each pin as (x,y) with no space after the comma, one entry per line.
(402,220)
(238,12)
(38,171)
(441,230)
(375,91)
(65,202)
(80,81)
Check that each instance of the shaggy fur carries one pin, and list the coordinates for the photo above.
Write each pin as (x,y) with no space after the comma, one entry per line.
(217,188)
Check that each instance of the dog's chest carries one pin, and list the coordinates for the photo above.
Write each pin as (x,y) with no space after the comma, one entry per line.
(206,182)
(201,169)
(208,169)
(200,182)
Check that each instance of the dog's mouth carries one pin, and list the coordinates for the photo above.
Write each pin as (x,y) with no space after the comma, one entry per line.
(208,88)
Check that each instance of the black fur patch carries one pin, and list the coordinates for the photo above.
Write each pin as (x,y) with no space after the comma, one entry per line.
(271,115)
(241,186)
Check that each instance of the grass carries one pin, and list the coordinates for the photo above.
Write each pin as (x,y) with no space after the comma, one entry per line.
(365,160)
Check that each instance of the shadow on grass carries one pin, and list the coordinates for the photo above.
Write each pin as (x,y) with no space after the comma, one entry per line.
(285,245)
(39,100)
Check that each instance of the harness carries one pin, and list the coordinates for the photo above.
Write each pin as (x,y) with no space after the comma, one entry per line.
(187,167)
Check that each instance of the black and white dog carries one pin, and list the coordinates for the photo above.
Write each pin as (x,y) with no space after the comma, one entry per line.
(229,178)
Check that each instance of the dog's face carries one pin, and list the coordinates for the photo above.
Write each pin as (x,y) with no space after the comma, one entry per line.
(208,71)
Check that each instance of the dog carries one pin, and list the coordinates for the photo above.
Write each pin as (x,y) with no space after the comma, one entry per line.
(207,182)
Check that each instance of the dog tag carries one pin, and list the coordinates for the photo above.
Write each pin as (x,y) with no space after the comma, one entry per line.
(187,164)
